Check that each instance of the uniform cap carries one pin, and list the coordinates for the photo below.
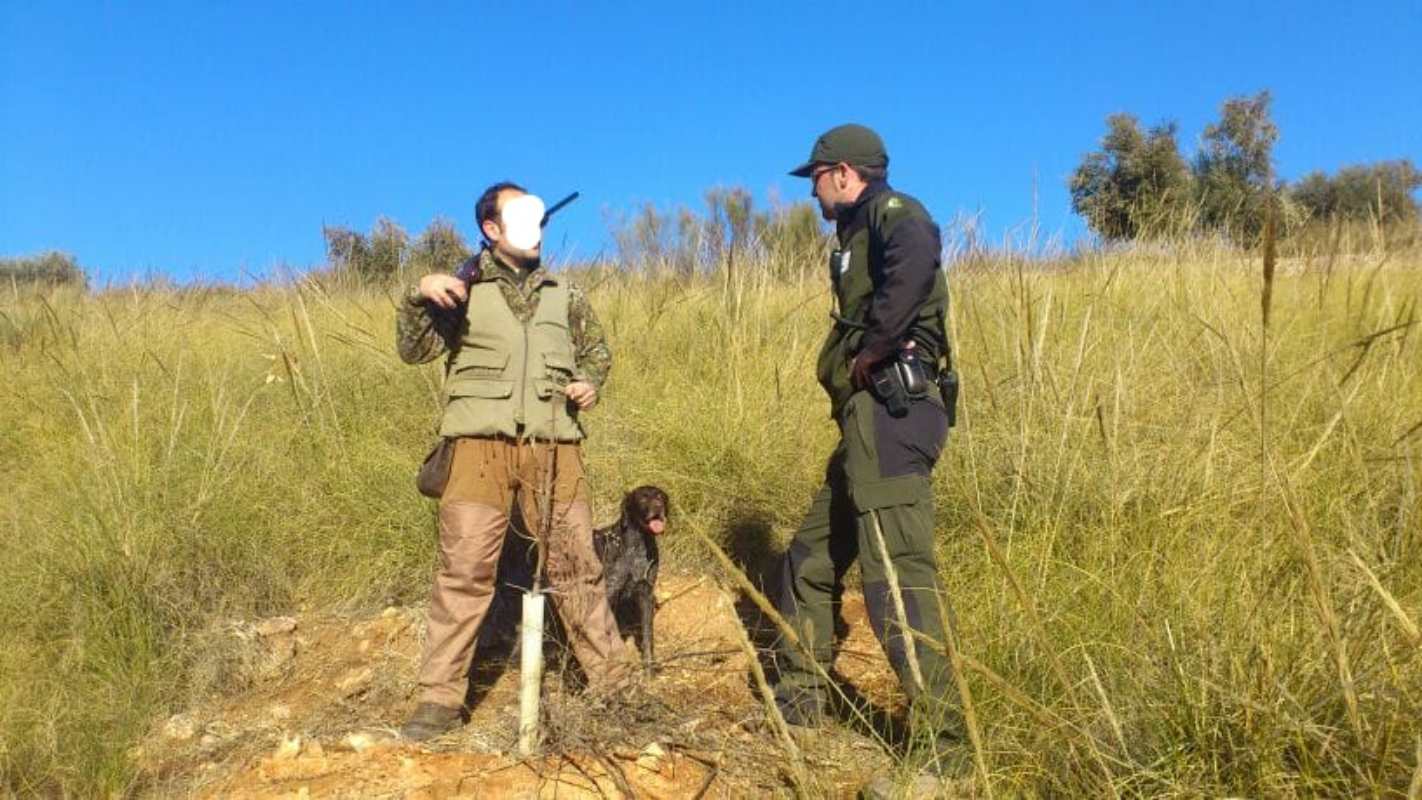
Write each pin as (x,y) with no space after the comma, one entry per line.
(851,144)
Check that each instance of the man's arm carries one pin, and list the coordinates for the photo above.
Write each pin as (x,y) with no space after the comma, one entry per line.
(423,330)
(910,265)
(590,350)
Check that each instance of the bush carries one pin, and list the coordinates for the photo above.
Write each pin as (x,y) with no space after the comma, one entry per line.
(386,255)
(47,269)
(1381,191)
(728,233)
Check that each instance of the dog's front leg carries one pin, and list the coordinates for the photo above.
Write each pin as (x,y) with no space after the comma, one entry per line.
(646,608)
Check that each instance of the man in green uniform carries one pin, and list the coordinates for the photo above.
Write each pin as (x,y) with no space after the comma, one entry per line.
(880,365)
(524,356)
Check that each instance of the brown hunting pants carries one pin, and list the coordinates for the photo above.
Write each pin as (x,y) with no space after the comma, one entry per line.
(485,478)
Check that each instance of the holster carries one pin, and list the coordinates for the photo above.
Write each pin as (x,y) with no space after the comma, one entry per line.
(898,381)
(948,390)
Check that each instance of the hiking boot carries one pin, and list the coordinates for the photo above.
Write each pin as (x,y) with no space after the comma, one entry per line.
(431,720)
(918,787)
(802,710)
(947,771)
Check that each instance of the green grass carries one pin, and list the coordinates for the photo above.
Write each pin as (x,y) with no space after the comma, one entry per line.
(1183,503)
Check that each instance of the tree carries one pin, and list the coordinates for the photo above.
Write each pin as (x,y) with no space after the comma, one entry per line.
(1382,191)
(439,248)
(48,269)
(1137,184)
(1234,172)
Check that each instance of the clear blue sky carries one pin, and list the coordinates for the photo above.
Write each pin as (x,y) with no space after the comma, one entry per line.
(208,139)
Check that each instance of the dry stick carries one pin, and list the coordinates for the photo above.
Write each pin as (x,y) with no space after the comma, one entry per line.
(1106,704)
(896,592)
(531,659)
(1040,628)
(1323,601)
(618,777)
(706,782)
(798,775)
(1414,791)
(683,591)
(970,714)
(740,579)
(1266,295)
(1414,637)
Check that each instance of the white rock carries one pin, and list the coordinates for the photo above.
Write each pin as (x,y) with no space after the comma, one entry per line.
(651,757)
(355,681)
(180,727)
(289,748)
(360,742)
(276,625)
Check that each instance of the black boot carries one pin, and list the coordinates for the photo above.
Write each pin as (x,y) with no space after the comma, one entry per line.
(431,720)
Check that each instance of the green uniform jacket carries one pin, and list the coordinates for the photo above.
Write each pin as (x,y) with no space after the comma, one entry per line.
(889,288)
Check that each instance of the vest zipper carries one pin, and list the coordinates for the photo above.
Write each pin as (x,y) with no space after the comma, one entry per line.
(523,381)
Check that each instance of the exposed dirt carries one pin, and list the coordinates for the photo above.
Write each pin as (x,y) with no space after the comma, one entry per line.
(327,694)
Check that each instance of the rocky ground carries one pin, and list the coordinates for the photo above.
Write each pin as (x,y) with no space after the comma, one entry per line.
(324,696)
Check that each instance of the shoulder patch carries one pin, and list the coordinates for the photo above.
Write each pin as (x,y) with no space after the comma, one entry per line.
(894,202)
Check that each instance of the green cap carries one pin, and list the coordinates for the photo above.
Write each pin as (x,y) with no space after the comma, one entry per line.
(851,144)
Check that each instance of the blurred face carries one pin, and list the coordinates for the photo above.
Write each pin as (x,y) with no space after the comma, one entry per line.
(494,232)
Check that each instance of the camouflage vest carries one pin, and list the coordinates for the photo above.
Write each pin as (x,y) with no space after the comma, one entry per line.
(507,377)
(854,266)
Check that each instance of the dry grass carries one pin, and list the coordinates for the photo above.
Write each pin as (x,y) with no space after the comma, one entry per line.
(1182,556)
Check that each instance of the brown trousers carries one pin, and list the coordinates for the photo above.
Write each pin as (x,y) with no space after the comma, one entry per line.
(485,478)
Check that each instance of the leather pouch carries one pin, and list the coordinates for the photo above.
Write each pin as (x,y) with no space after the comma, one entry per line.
(434,472)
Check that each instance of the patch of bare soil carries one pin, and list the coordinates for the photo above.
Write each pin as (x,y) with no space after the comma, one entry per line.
(327,695)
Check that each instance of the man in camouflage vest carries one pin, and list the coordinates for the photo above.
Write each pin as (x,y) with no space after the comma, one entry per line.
(876,504)
(524,356)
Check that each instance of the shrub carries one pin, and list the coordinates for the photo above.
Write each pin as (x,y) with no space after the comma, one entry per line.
(1382,191)
(47,269)
(1136,185)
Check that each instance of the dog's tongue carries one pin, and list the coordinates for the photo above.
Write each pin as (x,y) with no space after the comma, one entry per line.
(657,526)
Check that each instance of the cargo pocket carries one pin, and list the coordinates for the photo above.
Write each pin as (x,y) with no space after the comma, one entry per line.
(461,387)
(557,374)
(868,488)
(479,364)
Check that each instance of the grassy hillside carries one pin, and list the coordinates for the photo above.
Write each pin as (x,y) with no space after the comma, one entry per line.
(1183,554)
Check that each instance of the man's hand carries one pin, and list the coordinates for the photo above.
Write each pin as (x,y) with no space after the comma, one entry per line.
(859,369)
(445,291)
(863,364)
(582,393)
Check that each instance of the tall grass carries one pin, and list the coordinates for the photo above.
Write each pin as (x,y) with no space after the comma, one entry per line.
(1148,600)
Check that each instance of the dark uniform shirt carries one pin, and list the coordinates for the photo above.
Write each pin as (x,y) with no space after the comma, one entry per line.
(888,288)
(424,331)
(903,272)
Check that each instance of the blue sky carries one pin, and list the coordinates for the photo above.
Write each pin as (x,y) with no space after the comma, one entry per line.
(208,140)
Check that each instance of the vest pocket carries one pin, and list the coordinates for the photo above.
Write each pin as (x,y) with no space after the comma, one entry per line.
(475,363)
(479,387)
(558,370)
